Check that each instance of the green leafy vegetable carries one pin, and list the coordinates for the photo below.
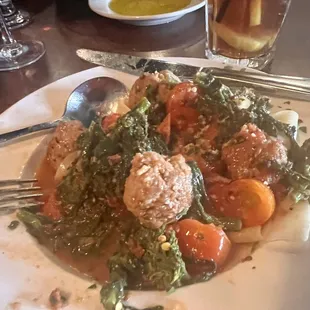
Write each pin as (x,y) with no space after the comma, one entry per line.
(164,269)
(13,225)
(220,100)
(113,294)
(92,287)
(35,222)
(200,198)
(160,269)
(123,265)
(207,270)
(73,188)
(213,87)
(131,135)
(157,111)
(148,308)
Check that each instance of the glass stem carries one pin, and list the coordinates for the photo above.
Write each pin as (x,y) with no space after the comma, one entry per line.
(6,35)
(7,7)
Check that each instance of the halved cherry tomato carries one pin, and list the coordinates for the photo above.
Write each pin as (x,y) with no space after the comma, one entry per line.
(51,208)
(183,95)
(164,128)
(208,169)
(202,241)
(180,105)
(248,199)
(268,176)
(210,132)
(184,117)
(109,121)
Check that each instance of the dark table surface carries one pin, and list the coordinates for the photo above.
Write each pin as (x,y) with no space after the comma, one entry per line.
(66,25)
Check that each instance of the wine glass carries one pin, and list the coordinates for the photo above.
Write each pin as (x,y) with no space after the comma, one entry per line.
(17,54)
(14,18)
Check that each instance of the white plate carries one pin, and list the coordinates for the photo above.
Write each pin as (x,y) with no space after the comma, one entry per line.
(279,282)
(102,8)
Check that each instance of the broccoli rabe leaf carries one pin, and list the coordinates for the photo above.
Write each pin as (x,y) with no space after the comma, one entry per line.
(298,183)
(93,171)
(155,267)
(148,308)
(165,269)
(200,198)
(72,189)
(221,100)
(112,294)
(122,266)
(34,223)
(213,87)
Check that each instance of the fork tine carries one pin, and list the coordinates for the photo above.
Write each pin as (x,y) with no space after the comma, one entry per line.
(15,195)
(20,204)
(10,198)
(19,190)
(11,207)
(16,182)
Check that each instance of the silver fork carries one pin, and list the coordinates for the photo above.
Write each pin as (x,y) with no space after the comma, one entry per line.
(19,193)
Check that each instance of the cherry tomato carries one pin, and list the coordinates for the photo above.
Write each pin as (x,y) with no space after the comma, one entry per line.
(164,128)
(109,121)
(211,131)
(202,241)
(208,169)
(183,118)
(268,176)
(183,95)
(180,105)
(51,208)
(248,199)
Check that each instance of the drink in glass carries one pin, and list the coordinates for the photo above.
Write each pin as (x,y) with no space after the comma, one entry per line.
(243,31)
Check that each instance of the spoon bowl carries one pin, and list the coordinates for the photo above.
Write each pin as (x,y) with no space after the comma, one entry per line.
(82,105)
(87,98)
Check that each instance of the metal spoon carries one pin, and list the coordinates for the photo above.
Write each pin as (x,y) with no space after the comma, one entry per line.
(82,105)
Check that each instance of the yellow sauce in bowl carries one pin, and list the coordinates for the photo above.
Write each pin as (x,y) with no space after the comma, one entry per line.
(147,7)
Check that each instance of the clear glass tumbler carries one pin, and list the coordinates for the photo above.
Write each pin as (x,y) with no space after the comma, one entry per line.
(243,32)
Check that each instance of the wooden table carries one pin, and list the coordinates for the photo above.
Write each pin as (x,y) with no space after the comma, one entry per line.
(66,25)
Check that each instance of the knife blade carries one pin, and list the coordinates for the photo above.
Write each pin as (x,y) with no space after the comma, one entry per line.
(276,84)
(133,64)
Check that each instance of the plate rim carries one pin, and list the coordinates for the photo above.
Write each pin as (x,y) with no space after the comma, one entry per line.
(181,294)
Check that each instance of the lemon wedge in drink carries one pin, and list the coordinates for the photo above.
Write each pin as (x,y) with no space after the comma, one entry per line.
(240,41)
(255,12)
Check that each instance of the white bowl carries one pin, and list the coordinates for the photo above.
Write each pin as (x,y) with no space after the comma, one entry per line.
(102,8)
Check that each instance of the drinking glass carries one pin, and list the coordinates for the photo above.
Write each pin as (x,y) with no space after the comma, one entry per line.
(14,18)
(17,54)
(243,32)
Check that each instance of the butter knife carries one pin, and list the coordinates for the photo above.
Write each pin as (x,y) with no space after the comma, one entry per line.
(137,65)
